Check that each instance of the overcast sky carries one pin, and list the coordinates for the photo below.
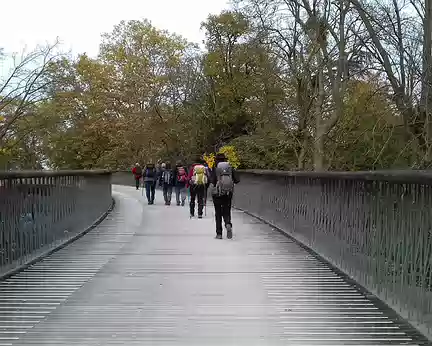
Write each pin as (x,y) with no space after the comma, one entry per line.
(79,23)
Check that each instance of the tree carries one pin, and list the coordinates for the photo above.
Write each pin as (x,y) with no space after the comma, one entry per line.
(301,84)
(240,74)
(125,105)
(319,48)
(21,92)
(396,36)
(367,137)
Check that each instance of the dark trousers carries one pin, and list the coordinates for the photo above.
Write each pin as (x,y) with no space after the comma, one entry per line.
(167,193)
(197,192)
(137,182)
(150,187)
(222,206)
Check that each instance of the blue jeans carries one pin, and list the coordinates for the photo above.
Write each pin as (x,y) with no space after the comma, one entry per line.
(180,192)
(150,187)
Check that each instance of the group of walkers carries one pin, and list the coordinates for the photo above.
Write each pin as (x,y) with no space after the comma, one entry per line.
(164,176)
(194,181)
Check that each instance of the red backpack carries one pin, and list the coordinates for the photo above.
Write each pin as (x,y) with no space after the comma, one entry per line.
(181,175)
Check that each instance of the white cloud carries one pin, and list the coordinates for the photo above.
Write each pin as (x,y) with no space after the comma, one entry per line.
(80,23)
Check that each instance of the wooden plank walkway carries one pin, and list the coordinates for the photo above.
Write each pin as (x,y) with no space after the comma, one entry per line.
(148,275)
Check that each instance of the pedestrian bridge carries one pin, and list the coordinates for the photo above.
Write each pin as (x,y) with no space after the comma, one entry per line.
(316,259)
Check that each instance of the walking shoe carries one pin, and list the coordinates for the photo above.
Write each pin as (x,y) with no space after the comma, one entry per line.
(199,216)
(229,231)
(178,203)
(183,203)
(218,236)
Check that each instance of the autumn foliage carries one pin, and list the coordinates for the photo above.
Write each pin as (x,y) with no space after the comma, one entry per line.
(300,96)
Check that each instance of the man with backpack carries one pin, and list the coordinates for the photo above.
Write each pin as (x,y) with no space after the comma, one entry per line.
(197,181)
(222,180)
(180,180)
(167,182)
(150,178)
(137,172)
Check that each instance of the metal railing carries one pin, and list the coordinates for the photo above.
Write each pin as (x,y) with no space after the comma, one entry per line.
(374,226)
(41,210)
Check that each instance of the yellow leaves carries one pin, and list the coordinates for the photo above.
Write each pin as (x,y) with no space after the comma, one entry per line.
(362,88)
(230,24)
(210,159)
(365,99)
(230,153)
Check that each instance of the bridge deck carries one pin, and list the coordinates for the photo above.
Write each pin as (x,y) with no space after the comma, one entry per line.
(148,275)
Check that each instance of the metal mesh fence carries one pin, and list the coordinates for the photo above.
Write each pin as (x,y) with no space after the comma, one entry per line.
(376,227)
(40,210)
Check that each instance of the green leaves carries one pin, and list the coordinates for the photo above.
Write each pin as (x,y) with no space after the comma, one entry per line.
(151,94)
(123,104)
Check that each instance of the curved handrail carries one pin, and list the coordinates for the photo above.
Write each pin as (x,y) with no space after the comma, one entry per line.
(60,173)
(397,176)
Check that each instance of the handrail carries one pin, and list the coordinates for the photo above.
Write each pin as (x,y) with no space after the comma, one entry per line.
(47,173)
(397,176)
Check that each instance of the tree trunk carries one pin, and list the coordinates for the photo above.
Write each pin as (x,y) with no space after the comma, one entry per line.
(302,154)
(426,92)
(320,128)
(303,100)
(318,155)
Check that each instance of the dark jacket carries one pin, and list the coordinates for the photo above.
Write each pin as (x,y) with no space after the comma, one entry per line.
(175,172)
(162,177)
(214,178)
(158,171)
(146,178)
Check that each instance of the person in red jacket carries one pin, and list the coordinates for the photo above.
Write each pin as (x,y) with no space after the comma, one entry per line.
(137,172)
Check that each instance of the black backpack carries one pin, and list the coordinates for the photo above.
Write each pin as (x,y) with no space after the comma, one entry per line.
(150,173)
(166,176)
